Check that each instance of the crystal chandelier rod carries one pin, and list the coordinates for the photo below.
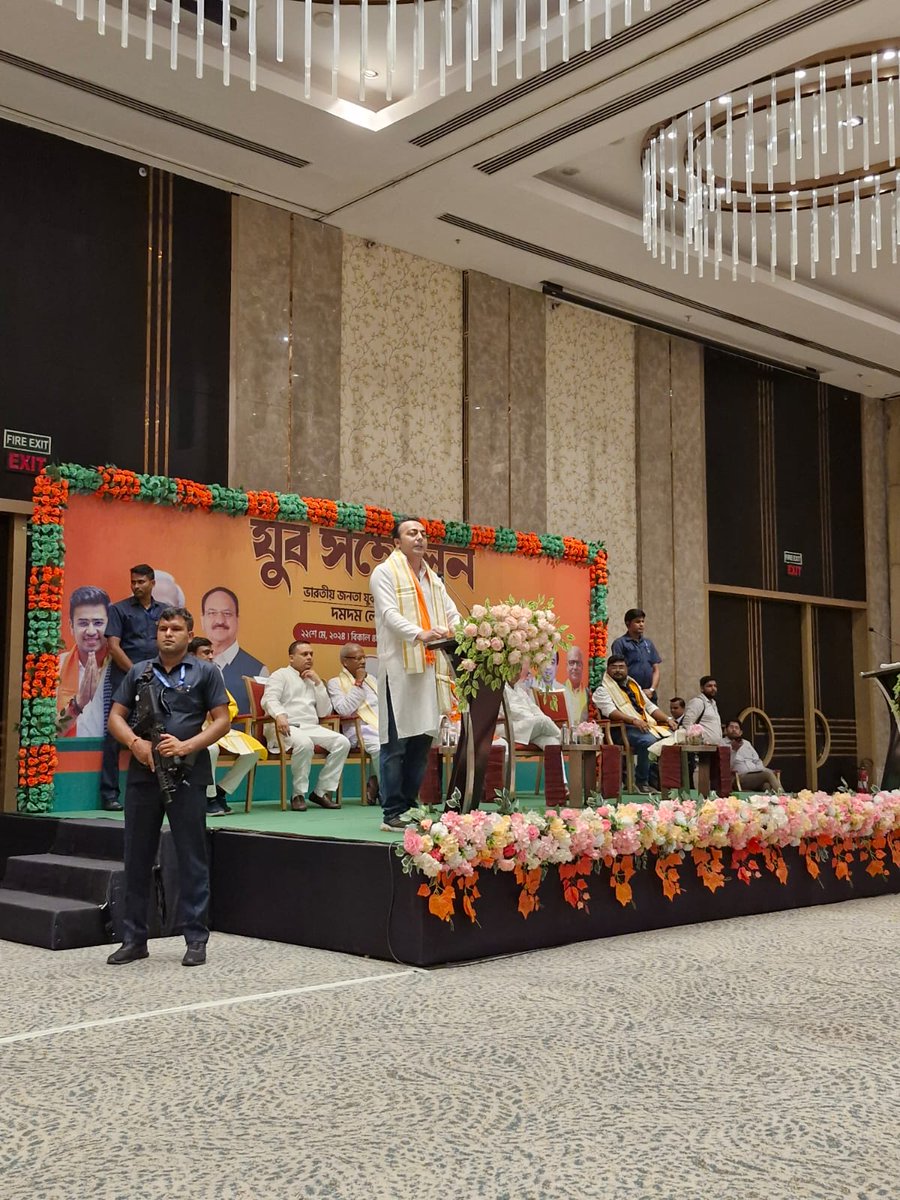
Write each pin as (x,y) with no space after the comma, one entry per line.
(430,45)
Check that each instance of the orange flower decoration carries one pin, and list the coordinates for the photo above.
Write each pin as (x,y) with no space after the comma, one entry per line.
(775,863)
(529,882)
(193,495)
(321,512)
(118,484)
(667,870)
(528,543)
(45,588)
(50,498)
(575,550)
(575,888)
(36,765)
(263,505)
(40,676)
(600,570)
(709,867)
(621,871)
(436,530)
(894,846)
(380,521)
(482,535)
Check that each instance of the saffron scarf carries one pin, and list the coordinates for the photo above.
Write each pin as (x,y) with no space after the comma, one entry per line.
(413,607)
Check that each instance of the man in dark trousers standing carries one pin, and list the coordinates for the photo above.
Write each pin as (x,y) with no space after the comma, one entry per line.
(186,690)
(131,638)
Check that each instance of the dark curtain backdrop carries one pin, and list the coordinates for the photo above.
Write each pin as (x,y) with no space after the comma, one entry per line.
(74,313)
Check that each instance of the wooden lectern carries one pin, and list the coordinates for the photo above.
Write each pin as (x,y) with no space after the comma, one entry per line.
(886,678)
(476,736)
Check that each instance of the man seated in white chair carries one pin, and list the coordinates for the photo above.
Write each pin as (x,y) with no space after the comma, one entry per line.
(246,749)
(296,698)
(354,693)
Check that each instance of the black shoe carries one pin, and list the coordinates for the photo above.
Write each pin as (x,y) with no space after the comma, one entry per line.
(111,803)
(222,799)
(393,825)
(195,955)
(129,952)
(372,791)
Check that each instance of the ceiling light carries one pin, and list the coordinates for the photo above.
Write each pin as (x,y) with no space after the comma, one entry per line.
(569,171)
(889,55)
(410,62)
(777,198)
(672,135)
(370,74)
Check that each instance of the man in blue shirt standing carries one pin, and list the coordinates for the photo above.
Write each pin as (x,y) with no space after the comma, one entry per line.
(640,654)
(186,690)
(131,638)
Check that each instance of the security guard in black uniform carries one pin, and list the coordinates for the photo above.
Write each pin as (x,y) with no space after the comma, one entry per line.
(185,690)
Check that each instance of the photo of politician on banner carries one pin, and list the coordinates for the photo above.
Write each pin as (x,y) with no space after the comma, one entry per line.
(254,585)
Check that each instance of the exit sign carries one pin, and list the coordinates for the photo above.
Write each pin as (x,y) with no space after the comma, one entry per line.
(793,560)
(27,453)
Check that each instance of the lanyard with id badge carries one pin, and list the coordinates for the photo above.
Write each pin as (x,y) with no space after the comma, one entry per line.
(152,705)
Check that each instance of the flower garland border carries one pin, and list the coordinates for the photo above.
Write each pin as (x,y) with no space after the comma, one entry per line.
(52,488)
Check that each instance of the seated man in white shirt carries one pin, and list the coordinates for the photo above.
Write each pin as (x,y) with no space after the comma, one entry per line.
(296,697)
(746,763)
(530,724)
(354,693)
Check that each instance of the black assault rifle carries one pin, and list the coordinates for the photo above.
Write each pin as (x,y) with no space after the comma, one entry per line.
(149,723)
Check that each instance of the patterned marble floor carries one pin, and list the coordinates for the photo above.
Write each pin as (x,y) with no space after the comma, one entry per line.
(753,1058)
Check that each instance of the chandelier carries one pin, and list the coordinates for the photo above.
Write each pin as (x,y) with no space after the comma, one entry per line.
(797,169)
(406,43)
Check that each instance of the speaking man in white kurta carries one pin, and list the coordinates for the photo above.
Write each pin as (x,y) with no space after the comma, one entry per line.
(412,610)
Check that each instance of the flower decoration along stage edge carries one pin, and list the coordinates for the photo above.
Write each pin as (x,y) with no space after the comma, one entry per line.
(52,488)
(498,641)
(450,849)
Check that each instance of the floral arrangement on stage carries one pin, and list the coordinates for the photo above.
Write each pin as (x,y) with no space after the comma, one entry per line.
(451,848)
(498,640)
(37,755)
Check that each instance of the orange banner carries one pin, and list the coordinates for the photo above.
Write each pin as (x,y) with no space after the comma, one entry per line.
(254,585)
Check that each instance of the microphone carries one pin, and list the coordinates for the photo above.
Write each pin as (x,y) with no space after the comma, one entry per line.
(453,596)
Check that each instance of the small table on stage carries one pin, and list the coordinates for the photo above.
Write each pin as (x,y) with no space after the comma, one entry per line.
(703,764)
(582,763)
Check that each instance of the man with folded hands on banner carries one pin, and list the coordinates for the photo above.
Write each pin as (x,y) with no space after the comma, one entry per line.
(185,690)
(296,697)
(246,749)
(354,693)
(620,699)
(412,610)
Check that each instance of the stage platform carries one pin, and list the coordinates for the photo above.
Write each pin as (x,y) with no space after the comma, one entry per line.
(332,880)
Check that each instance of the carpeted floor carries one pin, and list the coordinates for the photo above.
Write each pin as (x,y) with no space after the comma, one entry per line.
(751,1059)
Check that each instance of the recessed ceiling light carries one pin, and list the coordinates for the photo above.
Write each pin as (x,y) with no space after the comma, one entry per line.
(793,192)
(889,54)
(569,171)
(370,74)
(868,179)
(853,122)
(672,134)
(671,170)
(724,99)
(322,19)
(801,74)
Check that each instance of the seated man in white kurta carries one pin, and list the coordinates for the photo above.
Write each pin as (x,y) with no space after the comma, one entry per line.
(412,609)
(354,693)
(296,697)
(530,724)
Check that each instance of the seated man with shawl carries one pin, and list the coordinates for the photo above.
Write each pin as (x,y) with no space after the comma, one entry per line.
(246,749)
(620,699)
(412,610)
(354,693)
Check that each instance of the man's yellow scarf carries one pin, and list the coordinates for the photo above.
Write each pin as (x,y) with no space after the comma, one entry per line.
(366,712)
(630,701)
(414,608)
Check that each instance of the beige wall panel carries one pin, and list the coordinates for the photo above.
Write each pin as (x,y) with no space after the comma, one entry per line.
(259,455)
(591,440)
(655,591)
(315,427)
(868,649)
(401,381)
(528,410)
(686,517)
(488,360)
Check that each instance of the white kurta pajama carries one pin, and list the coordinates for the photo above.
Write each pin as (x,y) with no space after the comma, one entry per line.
(303,703)
(530,724)
(414,697)
(349,698)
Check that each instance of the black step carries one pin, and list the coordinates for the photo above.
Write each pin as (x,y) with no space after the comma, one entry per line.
(92,838)
(52,922)
(73,876)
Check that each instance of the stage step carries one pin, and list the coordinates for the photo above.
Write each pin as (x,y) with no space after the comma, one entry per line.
(52,922)
(91,838)
(72,876)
